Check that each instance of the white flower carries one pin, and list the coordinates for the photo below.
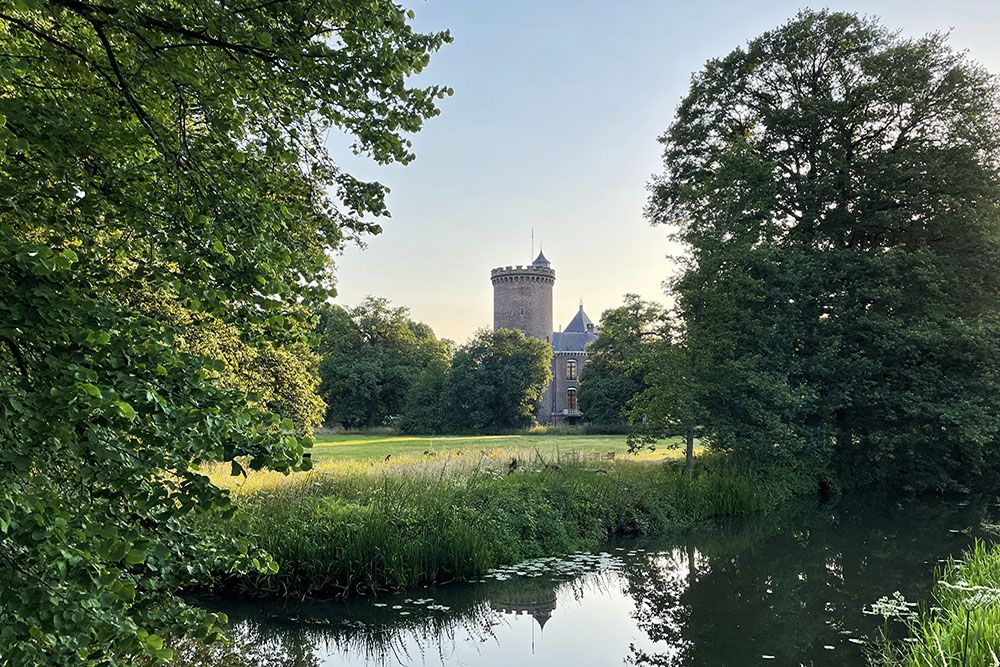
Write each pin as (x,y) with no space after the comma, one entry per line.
(892,606)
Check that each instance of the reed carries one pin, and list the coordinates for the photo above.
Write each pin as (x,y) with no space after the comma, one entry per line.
(364,527)
(962,629)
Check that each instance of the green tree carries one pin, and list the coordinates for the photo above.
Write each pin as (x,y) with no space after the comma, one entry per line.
(371,356)
(427,409)
(175,149)
(281,376)
(618,360)
(497,380)
(670,399)
(837,187)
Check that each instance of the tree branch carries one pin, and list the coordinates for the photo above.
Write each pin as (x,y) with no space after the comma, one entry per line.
(123,84)
(22,363)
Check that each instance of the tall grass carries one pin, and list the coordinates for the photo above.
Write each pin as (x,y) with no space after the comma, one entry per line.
(963,628)
(361,527)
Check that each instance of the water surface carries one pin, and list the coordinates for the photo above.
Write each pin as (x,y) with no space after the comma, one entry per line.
(785,588)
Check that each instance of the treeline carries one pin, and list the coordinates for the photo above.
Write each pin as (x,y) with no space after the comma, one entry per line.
(379,367)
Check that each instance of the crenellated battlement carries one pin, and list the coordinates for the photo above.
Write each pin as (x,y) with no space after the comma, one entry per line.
(522,273)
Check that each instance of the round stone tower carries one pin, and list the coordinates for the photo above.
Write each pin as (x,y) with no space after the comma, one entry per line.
(522,298)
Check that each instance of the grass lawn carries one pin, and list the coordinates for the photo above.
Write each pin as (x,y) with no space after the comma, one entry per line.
(363,447)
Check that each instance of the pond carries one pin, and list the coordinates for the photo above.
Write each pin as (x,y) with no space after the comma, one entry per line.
(783,588)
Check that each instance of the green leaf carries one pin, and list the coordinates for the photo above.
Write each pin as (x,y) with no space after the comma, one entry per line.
(89,389)
(125,410)
(134,557)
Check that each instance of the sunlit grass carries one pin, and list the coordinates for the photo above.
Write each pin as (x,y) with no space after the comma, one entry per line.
(438,457)
(351,446)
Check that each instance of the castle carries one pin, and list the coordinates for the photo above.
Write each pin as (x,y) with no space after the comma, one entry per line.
(522,299)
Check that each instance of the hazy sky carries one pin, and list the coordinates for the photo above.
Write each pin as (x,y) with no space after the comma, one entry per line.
(553,126)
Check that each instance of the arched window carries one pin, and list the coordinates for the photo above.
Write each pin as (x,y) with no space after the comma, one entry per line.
(571,399)
(571,369)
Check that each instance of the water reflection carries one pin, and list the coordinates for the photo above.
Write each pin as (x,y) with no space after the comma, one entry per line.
(782,588)
(537,599)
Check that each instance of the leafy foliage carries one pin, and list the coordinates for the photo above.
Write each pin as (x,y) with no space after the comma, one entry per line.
(379,367)
(176,150)
(497,380)
(837,186)
(428,405)
(280,376)
(371,356)
(620,359)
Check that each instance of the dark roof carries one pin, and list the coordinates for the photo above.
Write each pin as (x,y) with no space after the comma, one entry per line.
(571,341)
(579,322)
(581,330)
(541,260)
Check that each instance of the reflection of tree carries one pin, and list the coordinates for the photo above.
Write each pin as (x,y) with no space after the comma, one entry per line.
(248,650)
(295,634)
(766,588)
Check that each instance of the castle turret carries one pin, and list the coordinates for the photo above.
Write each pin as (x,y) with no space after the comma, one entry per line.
(522,298)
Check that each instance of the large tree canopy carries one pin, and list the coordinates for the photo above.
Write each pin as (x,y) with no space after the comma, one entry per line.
(168,152)
(496,381)
(837,187)
(620,358)
(371,356)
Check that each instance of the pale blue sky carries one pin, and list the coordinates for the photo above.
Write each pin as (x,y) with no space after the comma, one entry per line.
(553,126)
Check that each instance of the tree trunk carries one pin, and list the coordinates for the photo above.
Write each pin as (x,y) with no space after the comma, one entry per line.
(689,450)
(689,427)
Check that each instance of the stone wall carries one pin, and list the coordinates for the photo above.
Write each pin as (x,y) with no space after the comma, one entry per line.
(556,393)
(522,299)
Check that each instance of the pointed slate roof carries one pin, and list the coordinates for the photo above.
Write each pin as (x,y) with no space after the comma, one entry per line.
(541,260)
(576,336)
(579,323)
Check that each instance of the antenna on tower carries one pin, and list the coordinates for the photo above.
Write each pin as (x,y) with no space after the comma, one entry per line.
(532,257)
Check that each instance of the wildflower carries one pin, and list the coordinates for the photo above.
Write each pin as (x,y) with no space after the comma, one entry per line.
(892,606)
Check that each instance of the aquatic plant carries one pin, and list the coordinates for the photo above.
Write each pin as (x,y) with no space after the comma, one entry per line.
(365,528)
(963,626)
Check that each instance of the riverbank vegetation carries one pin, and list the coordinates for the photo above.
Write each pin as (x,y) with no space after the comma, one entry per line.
(963,625)
(364,527)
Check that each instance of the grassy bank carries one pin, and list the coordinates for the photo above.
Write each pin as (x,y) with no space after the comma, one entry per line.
(963,626)
(363,527)
(344,447)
